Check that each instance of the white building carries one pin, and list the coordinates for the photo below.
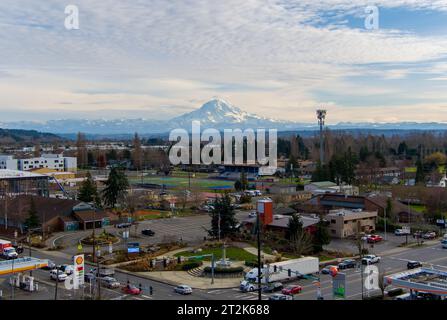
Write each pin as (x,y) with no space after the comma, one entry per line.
(51,161)
(8,162)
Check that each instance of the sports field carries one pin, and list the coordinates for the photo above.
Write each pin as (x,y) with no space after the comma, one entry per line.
(183,183)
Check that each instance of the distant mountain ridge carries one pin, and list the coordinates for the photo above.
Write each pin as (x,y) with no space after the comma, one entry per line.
(216,113)
(18,135)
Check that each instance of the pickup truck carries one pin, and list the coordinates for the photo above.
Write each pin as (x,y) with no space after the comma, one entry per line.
(370,259)
(103,272)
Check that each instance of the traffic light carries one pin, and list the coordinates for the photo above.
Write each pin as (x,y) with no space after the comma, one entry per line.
(151,263)
(151,290)
(275,268)
(165,263)
(179,259)
(289,272)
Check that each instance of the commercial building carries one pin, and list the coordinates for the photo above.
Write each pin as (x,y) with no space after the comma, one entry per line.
(50,161)
(345,223)
(15,182)
(8,162)
(54,214)
(330,187)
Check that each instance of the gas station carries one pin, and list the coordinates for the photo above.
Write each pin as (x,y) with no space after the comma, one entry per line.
(16,267)
(420,280)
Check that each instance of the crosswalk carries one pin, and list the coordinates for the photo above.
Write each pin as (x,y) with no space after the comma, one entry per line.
(239,295)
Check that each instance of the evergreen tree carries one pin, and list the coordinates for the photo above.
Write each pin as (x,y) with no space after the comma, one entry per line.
(321,236)
(223,212)
(33,219)
(420,175)
(88,191)
(116,187)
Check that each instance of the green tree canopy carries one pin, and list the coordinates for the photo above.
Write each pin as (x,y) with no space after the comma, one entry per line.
(88,191)
(33,218)
(116,187)
(223,212)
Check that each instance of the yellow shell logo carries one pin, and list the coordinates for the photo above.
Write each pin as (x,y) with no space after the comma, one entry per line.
(79,260)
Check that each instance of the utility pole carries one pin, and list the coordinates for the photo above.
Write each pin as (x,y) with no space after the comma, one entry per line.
(5,185)
(321,116)
(258,231)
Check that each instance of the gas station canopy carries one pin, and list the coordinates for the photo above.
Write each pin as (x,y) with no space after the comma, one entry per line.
(421,280)
(21,265)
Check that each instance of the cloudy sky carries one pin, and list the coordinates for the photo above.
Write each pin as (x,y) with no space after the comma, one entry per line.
(276,58)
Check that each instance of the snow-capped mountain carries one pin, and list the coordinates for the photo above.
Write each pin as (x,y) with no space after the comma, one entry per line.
(216,113)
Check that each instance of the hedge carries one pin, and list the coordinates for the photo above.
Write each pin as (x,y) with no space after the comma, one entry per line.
(190,265)
(225,270)
(252,264)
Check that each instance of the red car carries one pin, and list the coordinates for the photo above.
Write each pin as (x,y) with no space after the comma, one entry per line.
(130,289)
(291,290)
(374,238)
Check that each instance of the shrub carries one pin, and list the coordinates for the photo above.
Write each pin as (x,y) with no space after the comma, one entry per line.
(252,264)
(225,270)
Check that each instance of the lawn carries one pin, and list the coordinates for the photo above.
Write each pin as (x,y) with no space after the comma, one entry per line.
(410,169)
(233,253)
(418,208)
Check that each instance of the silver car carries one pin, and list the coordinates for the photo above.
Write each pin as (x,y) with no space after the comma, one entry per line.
(183,289)
(110,282)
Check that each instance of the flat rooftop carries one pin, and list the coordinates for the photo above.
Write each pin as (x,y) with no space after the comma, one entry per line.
(420,279)
(17,174)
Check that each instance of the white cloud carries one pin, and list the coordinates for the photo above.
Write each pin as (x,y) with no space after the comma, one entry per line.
(267,56)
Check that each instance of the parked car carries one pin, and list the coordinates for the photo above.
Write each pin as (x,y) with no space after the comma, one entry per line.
(58,275)
(347,264)
(370,259)
(327,269)
(183,289)
(148,232)
(280,296)
(273,287)
(291,290)
(444,244)
(413,265)
(374,238)
(394,292)
(131,289)
(110,282)
(429,235)
(123,225)
(252,214)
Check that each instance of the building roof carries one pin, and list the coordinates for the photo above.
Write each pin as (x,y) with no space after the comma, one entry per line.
(17,174)
(90,215)
(47,208)
(283,221)
(324,184)
(284,211)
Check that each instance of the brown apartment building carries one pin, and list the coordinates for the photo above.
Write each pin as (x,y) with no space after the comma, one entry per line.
(345,223)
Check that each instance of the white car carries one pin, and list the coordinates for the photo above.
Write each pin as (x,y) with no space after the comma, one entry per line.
(370,259)
(401,232)
(252,214)
(58,275)
(183,289)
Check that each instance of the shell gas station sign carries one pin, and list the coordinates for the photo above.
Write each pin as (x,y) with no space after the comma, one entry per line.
(78,270)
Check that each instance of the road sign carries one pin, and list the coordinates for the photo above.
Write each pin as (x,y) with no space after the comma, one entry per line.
(339,286)
(133,247)
(78,262)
